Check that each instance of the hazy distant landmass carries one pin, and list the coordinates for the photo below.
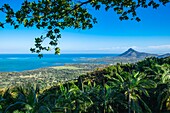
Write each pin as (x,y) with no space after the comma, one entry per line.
(129,56)
(164,55)
(131,53)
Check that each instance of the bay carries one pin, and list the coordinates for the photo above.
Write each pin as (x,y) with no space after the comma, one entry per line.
(23,62)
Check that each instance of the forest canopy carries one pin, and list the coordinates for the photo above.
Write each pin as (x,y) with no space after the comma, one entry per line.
(56,15)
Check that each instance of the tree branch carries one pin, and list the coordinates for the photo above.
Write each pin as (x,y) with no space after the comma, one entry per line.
(76,6)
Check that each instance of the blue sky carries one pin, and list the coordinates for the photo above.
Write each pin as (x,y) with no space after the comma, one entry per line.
(109,35)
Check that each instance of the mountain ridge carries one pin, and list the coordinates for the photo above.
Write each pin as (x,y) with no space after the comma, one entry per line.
(129,56)
(164,55)
(131,53)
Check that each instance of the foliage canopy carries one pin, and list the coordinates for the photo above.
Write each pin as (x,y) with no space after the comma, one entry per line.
(56,15)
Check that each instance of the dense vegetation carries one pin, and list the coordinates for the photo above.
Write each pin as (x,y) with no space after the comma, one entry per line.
(142,87)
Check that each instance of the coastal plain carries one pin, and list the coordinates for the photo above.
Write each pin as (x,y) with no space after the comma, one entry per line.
(46,77)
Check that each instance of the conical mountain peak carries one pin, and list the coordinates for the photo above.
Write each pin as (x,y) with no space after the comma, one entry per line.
(131,53)
(131,49)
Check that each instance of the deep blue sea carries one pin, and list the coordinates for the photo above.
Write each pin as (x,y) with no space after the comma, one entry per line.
(23,62)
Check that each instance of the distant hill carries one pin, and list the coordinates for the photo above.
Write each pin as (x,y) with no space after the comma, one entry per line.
(129,56)
(131,53)
(164,55)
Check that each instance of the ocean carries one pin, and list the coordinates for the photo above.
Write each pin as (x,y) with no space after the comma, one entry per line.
(23,62)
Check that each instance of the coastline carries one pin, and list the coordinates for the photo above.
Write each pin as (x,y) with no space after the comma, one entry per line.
(48,76)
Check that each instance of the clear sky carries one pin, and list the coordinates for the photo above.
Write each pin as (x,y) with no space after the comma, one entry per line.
(109,35)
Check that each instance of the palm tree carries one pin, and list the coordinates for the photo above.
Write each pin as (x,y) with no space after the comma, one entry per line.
(70,98)
(134,86)
(25,99)
(164,84)
(137,85)
(6,99)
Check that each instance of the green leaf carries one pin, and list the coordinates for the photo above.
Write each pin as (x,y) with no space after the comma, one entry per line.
(119,77)
(1,25)
(56,30)
(138,19)
(49,27)
(44,109)
(40,55)
(97,7)
(136,74)
(15,106)
(107,8)
(16,26)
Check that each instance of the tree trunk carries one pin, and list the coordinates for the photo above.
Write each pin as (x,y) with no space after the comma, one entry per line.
(129,101)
